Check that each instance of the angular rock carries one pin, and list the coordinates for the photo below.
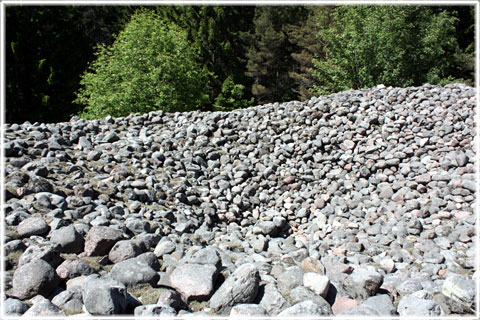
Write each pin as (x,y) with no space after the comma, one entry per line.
(240,287)
(46,252)
(273,301)
(361,285)
(194,281)
(70,269)
(317,283)
(100,240)
(155,310)
(292,277)
(208,255)
(302,293)
(305,309)
(248,310)
(32,226)
(103,297)
(460,289)
(380,305)
(68,239)
(42,307)
(126,249)
(413,306)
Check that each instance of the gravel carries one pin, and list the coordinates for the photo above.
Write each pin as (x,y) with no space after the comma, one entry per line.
(341,201)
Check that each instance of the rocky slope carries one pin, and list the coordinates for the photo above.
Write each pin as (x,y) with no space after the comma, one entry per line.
(357,203)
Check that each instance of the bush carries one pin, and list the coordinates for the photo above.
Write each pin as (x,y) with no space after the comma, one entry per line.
(149,67)
(392,45)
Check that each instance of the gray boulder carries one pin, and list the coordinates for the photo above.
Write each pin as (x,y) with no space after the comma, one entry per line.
(154,310)
(302,293)
(74,268)
(68,239)
(305,309)
(317,283)
(240,287)
(32,226)
(100,240)
(208,255)
(460,289)
(42,307)
(14,307)
(194,281)
(380,305)
(361,285)
(46,252)
(103,297)
(126,249)
(248,310)
(135,271)
(290,278)
(34,278)
(413,306)
(272,300)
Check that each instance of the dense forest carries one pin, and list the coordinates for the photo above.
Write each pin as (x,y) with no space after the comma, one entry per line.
(94,61)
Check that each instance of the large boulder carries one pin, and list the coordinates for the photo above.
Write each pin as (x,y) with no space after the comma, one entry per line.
(104,297)
(100,240)
(240,287)
(194,281)
(34,278)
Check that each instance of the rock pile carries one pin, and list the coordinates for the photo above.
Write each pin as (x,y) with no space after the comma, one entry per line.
(357,203)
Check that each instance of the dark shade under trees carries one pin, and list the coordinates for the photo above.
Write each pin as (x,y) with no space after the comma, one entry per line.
(47,50)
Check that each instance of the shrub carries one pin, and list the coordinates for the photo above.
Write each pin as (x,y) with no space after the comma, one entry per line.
(150,66)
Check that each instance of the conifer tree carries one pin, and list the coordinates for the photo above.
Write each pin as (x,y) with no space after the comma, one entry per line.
(269,53)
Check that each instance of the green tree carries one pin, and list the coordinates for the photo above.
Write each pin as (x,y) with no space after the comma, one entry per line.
(269,53)
(213,32)
(303,35)
(47,49)
(232,96)
(392,45)
(150,66)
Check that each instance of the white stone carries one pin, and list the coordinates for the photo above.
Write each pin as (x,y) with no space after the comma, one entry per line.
(317,283)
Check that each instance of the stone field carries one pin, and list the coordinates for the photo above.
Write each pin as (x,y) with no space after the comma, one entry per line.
(356,203)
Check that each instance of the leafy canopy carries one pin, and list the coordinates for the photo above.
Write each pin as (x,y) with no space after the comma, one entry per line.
(392,45)
(150,66)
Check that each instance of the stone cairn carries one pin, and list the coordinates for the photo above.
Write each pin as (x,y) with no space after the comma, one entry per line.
(357,203)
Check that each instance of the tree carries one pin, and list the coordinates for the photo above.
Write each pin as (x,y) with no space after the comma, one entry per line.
(269,53)
(150,66)
(213,32)
(392,45)
(47,49)
(303,35)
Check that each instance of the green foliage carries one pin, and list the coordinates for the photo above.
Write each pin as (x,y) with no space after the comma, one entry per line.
(392,45)
(150,66)
(227,55)
(303,35)
(231,96)
(213,32)
(269,53)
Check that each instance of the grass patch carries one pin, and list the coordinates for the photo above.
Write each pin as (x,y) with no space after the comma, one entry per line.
(11,232)
(94,262)
(14,257)
(48,219)
(196,306)
(462,271)
(70,312)
(68,256)
(146,293)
